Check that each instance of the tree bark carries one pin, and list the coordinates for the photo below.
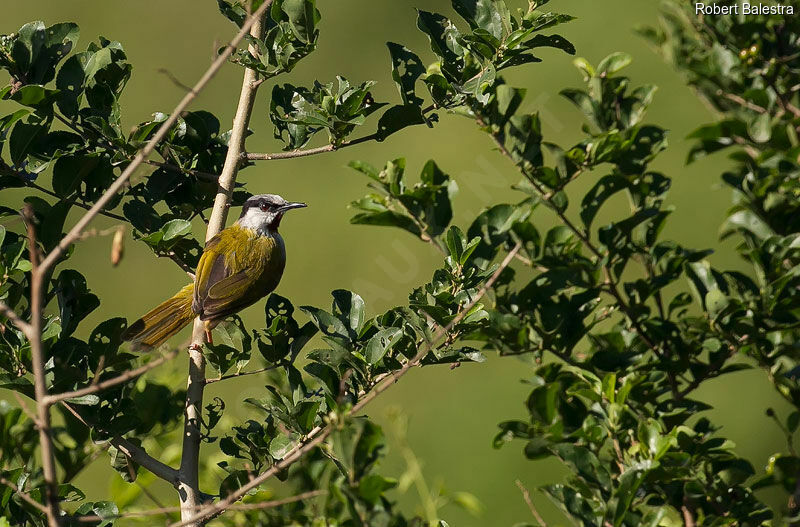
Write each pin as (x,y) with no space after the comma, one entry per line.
(188,487)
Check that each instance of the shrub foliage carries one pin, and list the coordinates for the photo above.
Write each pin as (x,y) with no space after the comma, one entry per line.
(621,326)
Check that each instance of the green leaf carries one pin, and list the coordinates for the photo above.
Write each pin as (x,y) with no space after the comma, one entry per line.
(746,221)
(85,400)
(490,15)
(380,343)
(70,171)
(612,64)
(443,36)
(75,301)
(328,324)
(716,301)
(125,467)
(760,128)
(455,241)
(351,308)
(34,96)
(23,138)
(407,67)
(399,117)
(280,446)
(372,487)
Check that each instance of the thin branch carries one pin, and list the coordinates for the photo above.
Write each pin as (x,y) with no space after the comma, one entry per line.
(241,374)
(24,495)
(742,101)
(711,372)
(15,319)
(133,452)
(108,383)
(688,518)
(162,131)
(292,154)
(30,413)
(40,375)
(526,495)
(237,507)
(208,176)
(168,74)
(188,486)
(25,181)
(319,434)
(610,282)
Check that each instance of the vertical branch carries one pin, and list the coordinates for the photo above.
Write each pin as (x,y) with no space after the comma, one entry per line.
(188,487)
(39,377)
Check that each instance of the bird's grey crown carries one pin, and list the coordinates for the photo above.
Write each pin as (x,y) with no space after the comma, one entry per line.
(272,200)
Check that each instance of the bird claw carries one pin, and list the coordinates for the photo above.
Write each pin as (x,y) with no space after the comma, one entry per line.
(195,347)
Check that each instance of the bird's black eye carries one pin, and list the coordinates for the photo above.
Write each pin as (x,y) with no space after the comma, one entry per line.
(263,205)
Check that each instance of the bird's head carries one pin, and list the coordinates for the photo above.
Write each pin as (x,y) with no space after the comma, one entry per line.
(263,212)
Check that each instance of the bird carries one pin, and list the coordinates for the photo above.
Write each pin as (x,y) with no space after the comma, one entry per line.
(240,265)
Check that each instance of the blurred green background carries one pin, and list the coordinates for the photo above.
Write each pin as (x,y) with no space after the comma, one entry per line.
(452,415)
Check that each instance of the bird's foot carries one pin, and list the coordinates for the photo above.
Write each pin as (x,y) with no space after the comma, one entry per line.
(209,339)
(195,347)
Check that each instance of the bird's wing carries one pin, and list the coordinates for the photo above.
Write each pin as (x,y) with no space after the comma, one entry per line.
(229,280)
(210,270)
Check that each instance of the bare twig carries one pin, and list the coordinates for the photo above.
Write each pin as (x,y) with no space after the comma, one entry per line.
(526,495)
(24,495)
(688,517)
(133,452)
(242,374)
(319,434)
(292,154)
(25,181)
(15,319)
(168,74)
(40,376)
(240,507)
(30,413)
(208,176)
(108,383)
(188,490)
(742,101)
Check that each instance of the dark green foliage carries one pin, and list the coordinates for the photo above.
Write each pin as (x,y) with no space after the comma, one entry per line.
(336,107)
(619,325)
(289,35)
(424,210)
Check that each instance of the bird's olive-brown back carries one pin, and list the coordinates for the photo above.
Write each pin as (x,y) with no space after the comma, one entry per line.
(237,268)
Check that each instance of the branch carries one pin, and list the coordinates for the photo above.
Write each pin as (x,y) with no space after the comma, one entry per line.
(140,456)
(742,101)
(122,180)
(688,518)
(319,434)
(612,284)
(526,495)
(241,507)
(24,495)
(15,319)
(133,452)
(40,376)
(10,171)
(292,154)
(208,176)
(108,383)
(241,374)
(188,487)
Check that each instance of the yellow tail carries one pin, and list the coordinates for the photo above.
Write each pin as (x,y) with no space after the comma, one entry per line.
(169,317)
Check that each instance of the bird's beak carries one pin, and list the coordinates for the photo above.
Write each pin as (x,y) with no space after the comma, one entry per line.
(292,205)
